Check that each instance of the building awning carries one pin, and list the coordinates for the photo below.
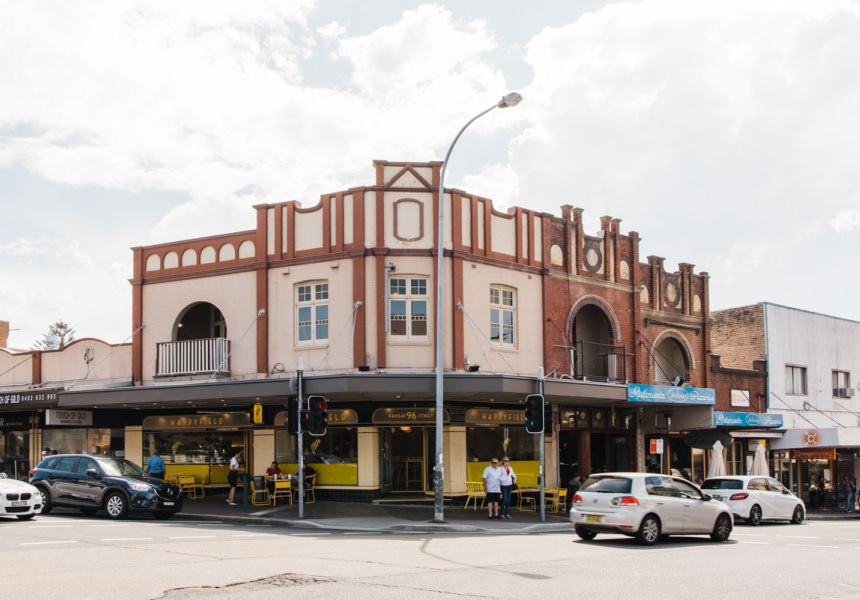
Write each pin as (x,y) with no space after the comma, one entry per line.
(460,388)
(832,437)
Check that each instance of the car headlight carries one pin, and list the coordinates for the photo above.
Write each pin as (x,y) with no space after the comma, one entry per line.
(140,487)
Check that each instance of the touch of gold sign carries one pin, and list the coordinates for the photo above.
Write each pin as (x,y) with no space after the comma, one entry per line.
(489,416)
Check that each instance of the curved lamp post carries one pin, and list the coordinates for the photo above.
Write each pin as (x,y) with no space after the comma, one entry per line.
(509,100)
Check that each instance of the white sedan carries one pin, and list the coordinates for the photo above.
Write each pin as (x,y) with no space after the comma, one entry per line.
(647,506)
(756,499)
(18,499)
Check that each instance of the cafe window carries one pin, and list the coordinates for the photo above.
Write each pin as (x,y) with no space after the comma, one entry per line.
(485,443)
(333,456)
(312,312)
(409,302)
(103,441)
(193,447)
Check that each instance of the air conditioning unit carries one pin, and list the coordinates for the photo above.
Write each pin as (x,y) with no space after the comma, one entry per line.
(843,392)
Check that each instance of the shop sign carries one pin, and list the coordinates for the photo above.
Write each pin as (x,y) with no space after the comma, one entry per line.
(80,418)
(185,422)
(745,419)
(489,416)
(408,416)
(334,416)
(29,397)
(740,398)
(812,454)
(13,422)
(668,394)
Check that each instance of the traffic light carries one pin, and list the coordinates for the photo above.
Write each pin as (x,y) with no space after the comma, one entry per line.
(292,407)
(534,413)
(318,416)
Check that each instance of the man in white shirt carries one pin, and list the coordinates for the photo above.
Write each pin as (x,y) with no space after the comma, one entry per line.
(492,487)
(233,477)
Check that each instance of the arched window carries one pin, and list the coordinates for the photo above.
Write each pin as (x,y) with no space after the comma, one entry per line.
(669,361)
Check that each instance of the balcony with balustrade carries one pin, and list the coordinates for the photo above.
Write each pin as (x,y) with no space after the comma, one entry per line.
(193,357)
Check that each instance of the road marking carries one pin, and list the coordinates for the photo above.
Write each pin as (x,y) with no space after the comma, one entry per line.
(218,524)
(123,539)
(757,543)
(112,525)
(811,546)
(239,535)
(799,537)
(847,539)
(50,526)
(43,543)
(309,534)
(257,525)
(191,537)
(362,533)
(749,534)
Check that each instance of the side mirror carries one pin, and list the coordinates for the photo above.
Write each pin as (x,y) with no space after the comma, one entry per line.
(707,497)
(93,473)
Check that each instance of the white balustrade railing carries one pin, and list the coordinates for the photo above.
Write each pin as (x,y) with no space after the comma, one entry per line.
(191,357)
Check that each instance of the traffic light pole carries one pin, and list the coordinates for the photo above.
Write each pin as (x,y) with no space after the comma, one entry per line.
(542,471)
(300,474)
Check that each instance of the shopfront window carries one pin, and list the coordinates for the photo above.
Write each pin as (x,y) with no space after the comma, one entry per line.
(203,454)
(680,459)
(103,441)
(486,443)
(333,456)
(14,453)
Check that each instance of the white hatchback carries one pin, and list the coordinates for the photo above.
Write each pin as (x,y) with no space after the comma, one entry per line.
(755,498)
(647,506)
(18,498)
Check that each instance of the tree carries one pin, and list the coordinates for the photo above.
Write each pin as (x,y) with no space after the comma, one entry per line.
(59,335)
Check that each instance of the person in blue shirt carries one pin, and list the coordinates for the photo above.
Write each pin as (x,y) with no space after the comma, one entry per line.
(155,466)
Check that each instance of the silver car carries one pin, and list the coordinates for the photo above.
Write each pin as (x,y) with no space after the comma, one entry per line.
(647,506)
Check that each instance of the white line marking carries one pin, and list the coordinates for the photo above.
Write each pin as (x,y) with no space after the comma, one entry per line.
(218,524)
(811,546)
(308,534)
(122,539)
(50,526)
(257,525)
(799,537)
(749,534)
(239,535)
(112,525)
(757,543)
(43,543)
(191,537)
(847,539)
(362,533)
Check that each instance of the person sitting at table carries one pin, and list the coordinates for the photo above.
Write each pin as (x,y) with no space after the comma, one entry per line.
(273,473)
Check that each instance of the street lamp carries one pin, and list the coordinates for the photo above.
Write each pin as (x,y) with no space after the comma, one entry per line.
(509,100)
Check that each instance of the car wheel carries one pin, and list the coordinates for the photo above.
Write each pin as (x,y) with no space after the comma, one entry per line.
(89,511)
(46,500)
(797,516)
(163,514)
(116,506)
(585,534)
(722,529)
(649,531)
(26,517)
(755,515)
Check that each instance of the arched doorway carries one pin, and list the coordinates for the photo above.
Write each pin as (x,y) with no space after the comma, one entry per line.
(595,357)
(670,361)
(199,322)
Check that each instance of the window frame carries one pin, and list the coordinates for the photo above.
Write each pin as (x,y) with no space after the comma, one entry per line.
(411,297)
(498,306)
(313,303)
(804,383)
(841,380)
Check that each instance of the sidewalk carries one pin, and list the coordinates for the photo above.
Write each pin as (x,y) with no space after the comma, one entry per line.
(359,517)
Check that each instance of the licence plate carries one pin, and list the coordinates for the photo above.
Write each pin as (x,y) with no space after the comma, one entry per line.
(168,503)
(19,504)
(594,518)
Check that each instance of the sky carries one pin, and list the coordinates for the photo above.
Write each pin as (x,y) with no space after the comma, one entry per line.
(724,133)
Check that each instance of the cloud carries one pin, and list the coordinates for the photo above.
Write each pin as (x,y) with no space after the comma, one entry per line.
(723,133)
(23,247)
(846,221)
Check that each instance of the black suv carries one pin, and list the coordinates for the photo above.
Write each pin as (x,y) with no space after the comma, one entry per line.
(90,483)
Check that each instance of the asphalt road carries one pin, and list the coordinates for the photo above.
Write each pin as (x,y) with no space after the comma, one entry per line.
(69,556)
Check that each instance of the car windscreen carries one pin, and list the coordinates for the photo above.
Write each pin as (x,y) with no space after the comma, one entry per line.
(117,468)
(607,485)
(723,484)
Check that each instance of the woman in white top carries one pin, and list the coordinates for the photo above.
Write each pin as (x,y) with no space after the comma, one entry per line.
(506,480)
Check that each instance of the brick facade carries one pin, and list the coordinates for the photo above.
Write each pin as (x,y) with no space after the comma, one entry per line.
(4,333)
(737,335)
